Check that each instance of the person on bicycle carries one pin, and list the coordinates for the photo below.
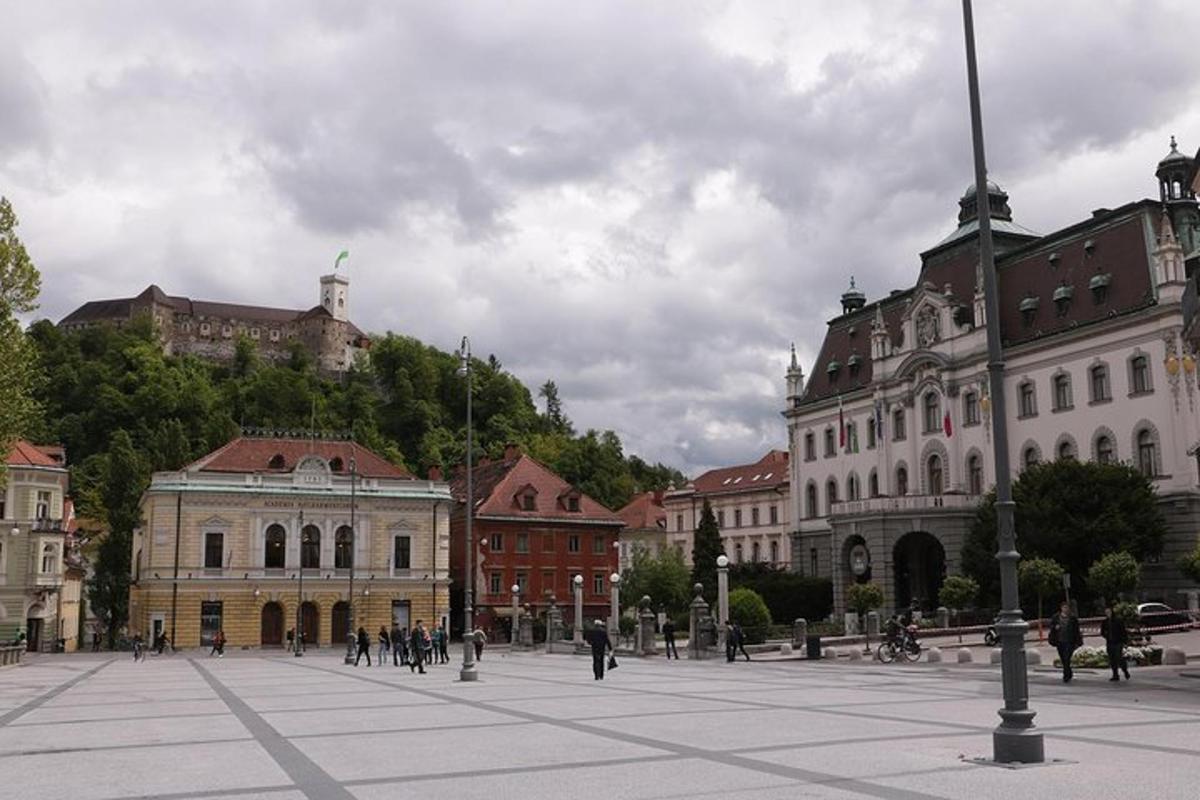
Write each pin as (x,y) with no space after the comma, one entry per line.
(893,630)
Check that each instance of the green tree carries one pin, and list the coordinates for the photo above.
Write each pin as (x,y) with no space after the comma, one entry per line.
(1074,512)
(958,592)
(555,419)
(20,283)
(1113,575)
(706,547)
(664,578)
(746,608)
(862,598)
(1040,577)
(1189,565)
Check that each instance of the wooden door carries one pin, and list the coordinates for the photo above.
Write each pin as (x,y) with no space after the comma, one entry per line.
(310,618)
(272,625)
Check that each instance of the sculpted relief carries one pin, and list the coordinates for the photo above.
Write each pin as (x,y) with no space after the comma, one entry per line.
(929,327)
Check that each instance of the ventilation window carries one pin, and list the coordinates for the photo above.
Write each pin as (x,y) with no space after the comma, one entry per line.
(1098,286)
(832,369)
(1062,299)
(1028,309)
(336,464)
(1089,247)
(1054,258)
(276,461)
(854,362)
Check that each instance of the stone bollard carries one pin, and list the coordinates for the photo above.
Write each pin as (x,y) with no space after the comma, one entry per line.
(873,623)
(1033,657)
(854,654)
(699,610)
(943,617)
(553,625)
(964,656)
(526,629)
(1174,656)
(934,655)
(799,632)
(646,620)
(830,653)
(785,649)
(850,622)
(994,658)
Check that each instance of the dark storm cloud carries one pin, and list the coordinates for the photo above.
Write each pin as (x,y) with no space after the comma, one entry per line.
(644,202)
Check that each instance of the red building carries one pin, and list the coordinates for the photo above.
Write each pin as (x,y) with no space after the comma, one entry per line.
(533,529)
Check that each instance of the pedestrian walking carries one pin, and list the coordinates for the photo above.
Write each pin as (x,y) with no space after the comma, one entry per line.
(137,647)
(218,645)
(739,638)
(730,643)
(96,641)
(443,642)
(364,646)
(385,644)
(1065,637)
(397,645)
(291,639)
(479,638)
(416,648)
(427,646)
(1112,628)
(597,637)
(668,632)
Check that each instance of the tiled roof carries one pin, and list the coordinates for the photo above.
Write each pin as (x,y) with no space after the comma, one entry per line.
(498,484)
(644,511)
(255,455)
(26,454)
(769,471)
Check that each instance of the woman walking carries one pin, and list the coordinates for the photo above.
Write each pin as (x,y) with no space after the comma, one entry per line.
(364,646)
(385,644)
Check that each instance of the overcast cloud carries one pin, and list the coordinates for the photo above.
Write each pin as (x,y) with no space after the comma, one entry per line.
(645,202)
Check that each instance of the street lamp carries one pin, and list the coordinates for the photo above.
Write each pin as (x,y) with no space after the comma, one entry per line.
(304,539)
(577,634)
(468,671)
(614,628)
(1015,739)
(16,531)
(722,599)
(350,637)
(516,614)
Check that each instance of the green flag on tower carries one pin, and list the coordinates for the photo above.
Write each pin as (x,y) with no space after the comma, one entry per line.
(341,255)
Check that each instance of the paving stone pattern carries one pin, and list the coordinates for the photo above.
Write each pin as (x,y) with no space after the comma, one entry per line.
(535,726)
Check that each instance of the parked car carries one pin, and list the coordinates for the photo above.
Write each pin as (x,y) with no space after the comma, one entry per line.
(1161,615)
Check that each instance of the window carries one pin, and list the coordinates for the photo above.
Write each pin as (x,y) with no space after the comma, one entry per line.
(343,548)
(754,515)
(773,514)
(214,550)
(679,522)
(755,552)
(49,558)
(1139,375)
(811,498)
(870,433)
(831,495)
(810,447)
(274,335)
(774,552)
(1026,400)
(873,484)
(598,583)
(210,621)
(813,562)
(1030,457)
(898,434)
(851,437)
(598,542)
(573,543)
(43,506)
(1104,450)
(402,553)
(901,481)
(721,518)
(547,542)
(1147,453)
(852,488)
(737,553)
(932,418)
(522,542)
(830,447)
(497,543)
(522,582)
(737,518)
(1066,450)
(548,582)
(495,580)
(934,474)
(275,548)
(1062,391)
(970,409)
(528,502)
(975,475)
(1099,384)
(310,547)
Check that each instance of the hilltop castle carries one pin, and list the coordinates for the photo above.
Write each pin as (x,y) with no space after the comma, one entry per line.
(211,329)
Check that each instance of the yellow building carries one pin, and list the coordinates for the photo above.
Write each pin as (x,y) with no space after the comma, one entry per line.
(265,535)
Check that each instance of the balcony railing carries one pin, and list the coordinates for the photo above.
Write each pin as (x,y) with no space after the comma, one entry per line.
(906,503)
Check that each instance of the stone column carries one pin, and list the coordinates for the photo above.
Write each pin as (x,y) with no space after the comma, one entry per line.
(553,625)
(722,600)
(646,619)
(614,627)
(526,629)
(514,637)
(577,634)
(699,609)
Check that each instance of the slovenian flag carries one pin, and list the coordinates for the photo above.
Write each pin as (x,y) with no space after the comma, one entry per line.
(946,423)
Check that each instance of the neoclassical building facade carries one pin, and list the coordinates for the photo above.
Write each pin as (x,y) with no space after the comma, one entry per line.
(891,435)
(261,536)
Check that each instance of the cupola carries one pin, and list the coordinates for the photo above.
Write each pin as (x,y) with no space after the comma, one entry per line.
(968,207)
(1173,173)
(852,298)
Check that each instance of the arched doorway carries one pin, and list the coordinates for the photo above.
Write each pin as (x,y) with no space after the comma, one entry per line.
(340,616)
(919,564)
(310,618)
(272,625)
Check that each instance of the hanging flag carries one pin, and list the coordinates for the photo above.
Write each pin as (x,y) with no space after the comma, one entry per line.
(879,422)
(841,424)
(946,423)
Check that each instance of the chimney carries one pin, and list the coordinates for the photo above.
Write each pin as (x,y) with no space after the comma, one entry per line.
(435,472)
(511,451)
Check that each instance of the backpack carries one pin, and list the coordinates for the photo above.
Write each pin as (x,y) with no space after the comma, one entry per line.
(1054,637)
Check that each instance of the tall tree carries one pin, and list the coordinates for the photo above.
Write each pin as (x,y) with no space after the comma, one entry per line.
(20,283)
(663,577)
(556,420)
(706,546)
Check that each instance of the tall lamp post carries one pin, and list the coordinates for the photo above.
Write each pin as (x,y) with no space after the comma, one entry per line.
(300,591)
(468,671)
(349,659)
(614,627)
(577,632)
(516,615)
(1015,739)
(722,599)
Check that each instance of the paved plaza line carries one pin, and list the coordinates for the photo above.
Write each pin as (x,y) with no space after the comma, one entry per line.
(309,778)
(30,705)
(724,758)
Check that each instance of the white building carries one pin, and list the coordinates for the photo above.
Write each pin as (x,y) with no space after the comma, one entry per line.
(1096,367)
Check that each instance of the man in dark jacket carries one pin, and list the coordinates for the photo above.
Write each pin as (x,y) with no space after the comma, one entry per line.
(364,646)
(598,638)
(668,631)
(1115,636)
(416,648)
(1066,637)
(397,644)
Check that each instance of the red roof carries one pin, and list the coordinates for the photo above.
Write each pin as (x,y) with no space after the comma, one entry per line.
(500,485)
(259,455)
(26,454)
(644,511)
(769,471)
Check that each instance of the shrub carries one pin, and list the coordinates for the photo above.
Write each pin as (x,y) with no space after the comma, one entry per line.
(1189,565)
(1113,575)
(746,608)
(788,595)
(864,597)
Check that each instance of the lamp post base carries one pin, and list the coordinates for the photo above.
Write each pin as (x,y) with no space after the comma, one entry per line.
(468,674)
(1017,745)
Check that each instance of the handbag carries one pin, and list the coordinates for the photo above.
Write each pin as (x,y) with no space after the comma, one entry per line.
(612,662)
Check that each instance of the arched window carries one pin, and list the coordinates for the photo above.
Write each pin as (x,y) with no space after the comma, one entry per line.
(276,461)
(1104,450)
(901,481)
(755,552)
(1030,456)
(49,558)
(1062,391)
(811,497)
(275,548)
(970,408)
(1066,450)
(830,443)
(774,552)
(1026,400)
(310,547)
(831,495)
(933,419)
(1098,379)
(1139,375)
(873,484)
(737,553)
(898,434)
(934,473)
(1147,453)
(974,474)
(852,492)
(343,548)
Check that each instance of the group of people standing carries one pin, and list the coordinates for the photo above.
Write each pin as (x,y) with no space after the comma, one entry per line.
(735,640)
(1067,637)
(415,647)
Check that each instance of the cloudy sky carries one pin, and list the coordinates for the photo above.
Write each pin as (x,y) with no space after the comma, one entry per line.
(645,202)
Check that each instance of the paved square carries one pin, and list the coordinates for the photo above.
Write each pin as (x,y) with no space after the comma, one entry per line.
(535,726)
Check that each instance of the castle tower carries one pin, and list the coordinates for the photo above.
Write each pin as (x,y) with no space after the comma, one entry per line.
(1175,190)
(852,298)
(335,295)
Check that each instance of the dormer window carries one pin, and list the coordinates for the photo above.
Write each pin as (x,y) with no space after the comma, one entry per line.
(526,498)
(1054,258)
(570,500)
(1089,247)
(1062,299)
(529,502)
(572,503)
(276,461)
(336,464)
(1028,308)
(854,362)
(1098,286)
(832,369)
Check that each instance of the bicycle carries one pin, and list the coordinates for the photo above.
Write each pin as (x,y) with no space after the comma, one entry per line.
(905,646)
